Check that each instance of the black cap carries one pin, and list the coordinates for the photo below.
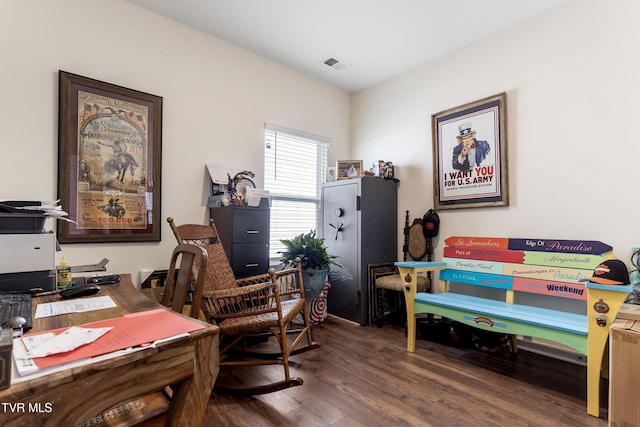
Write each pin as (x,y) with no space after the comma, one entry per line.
(611,272)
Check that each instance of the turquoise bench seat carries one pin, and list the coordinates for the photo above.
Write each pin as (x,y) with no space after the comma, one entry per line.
(477,306)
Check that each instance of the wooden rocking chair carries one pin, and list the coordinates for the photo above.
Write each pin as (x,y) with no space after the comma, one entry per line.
(263,305)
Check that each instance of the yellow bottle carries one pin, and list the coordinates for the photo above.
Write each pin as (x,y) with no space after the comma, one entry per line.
(64,274)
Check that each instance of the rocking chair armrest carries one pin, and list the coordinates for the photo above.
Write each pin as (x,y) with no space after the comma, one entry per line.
(258,278)
(286,272)
(239,291)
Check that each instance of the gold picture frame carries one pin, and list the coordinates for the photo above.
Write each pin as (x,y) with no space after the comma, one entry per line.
(346,169)
(470,171)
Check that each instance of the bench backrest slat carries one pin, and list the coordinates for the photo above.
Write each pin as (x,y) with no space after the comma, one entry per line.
(478,279)
(551,288)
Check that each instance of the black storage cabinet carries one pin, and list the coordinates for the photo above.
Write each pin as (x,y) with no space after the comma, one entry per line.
(365,212)
(244,232)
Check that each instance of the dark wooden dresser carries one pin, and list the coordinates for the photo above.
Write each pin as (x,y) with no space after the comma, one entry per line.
(244,231)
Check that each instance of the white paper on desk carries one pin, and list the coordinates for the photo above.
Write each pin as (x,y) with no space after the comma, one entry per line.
(73,306)
(68,340)
(21,346)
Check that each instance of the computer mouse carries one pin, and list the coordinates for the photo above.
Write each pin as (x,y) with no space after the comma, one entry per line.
(15,322)
(80,291)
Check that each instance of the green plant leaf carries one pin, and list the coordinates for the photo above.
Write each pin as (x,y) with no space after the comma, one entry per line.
(310,249)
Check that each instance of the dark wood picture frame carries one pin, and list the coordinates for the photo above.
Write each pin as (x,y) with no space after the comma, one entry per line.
(374,272)
(470,171)
(109,162)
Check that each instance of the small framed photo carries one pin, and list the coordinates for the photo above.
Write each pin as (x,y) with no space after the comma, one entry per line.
(331,174)
(348,168)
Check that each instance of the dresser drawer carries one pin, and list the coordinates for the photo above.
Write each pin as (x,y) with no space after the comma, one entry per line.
(250,226)
(250,258)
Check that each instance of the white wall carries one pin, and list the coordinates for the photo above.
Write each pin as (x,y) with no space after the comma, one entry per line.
(216,98)
(571,78)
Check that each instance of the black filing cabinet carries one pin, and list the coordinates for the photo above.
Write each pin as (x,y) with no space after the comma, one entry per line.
(360,226)
(244,232)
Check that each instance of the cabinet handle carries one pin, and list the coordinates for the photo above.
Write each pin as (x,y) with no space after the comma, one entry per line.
(251,265)
(252,231)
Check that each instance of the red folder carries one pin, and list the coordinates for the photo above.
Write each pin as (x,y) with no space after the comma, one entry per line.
(130,330)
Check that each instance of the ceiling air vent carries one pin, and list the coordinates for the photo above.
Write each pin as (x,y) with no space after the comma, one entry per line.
(335,63)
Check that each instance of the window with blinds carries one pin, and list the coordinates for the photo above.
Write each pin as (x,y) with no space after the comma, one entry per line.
(294,166)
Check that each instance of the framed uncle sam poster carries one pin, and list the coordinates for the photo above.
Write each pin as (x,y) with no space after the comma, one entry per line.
(470,155)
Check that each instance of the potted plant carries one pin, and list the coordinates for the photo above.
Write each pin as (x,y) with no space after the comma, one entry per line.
(315,260)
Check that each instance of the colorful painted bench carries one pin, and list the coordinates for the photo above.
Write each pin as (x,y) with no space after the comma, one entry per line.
(586,333)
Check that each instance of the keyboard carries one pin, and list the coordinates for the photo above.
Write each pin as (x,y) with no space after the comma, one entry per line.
(16,304)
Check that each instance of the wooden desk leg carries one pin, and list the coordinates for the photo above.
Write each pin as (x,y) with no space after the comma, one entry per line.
(191,396)
(409,295)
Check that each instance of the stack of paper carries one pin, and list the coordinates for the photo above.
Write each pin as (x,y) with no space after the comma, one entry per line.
(50,209)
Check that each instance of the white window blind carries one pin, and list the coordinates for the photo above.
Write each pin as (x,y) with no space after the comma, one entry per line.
(295,164)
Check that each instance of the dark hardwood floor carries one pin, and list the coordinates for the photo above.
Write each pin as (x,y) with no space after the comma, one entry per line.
(363,376)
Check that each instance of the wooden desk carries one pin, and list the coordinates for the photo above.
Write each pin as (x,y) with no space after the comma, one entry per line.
(68,397)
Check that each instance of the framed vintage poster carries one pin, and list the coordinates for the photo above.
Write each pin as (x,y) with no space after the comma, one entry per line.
(109,162)
(470,155)
(348,168)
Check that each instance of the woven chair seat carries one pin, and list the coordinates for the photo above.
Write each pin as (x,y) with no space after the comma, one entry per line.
(395,283)
(257,323)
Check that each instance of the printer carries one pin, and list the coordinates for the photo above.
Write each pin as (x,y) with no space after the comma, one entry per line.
(27,262)
(27,253)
